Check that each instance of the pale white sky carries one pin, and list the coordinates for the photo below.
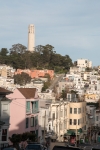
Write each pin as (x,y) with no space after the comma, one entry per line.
(71,26)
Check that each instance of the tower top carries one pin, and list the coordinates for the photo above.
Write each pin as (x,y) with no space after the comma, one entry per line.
(31,24)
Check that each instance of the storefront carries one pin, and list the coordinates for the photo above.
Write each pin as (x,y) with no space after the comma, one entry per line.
(71,135)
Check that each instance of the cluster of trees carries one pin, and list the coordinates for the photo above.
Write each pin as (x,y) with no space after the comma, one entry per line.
(46,84)
(18,138)
(44,57)
(22,79)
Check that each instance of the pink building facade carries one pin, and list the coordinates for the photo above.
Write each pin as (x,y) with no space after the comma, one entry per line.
(24,111)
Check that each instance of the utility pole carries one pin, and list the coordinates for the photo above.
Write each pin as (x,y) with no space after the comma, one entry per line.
(44,124)
(76,133)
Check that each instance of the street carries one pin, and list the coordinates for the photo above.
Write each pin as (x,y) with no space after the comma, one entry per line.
(56,80)
(84,146)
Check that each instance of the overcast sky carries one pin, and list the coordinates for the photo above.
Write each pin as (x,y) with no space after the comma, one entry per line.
(71,26)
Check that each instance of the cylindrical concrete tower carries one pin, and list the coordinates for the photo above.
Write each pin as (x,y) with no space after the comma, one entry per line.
(31,38)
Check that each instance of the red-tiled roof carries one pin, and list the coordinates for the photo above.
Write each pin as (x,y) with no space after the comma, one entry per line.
(4,91)
(28,93)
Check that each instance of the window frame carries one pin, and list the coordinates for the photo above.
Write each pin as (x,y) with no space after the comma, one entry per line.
(71,110)
(75,110)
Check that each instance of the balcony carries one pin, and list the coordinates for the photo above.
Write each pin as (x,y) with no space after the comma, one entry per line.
(28,111)
(35,110)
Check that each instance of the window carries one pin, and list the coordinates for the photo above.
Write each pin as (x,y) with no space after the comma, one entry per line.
(36,120)
(85,127)
(27,106)
(83,109)
(36,104)
(70,121)
(75,121)
(61,113)
(27,122)
(4,134)
(75,110)
(79,110)
(70,110)
(97,118)
(54,128)
(60,126)
(53,116)
(5,109)
(65,124)
(49,127)
(65,112)
(57,115)
(32,121)
(78,121)
(68,96)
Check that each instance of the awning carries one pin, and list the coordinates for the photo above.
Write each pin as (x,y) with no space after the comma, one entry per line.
(73,132)
(70,132)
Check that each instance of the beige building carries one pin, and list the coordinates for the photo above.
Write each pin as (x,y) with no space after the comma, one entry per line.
(77,118)
(6,71)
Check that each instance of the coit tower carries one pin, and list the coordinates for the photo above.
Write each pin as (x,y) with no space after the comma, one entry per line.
(31,38)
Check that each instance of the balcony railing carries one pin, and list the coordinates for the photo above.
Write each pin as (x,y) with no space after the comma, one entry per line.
(35,110)
(28,111)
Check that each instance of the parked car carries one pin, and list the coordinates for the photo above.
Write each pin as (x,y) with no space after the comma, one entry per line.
(66,148)
(35,146)
(95,149)
(9,148)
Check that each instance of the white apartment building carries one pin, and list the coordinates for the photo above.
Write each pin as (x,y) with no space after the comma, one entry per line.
(85,63)
(58,118)
(77,81)
(62,85)
(76,70)
(47,95)
(43,122)
(94,115)
(4,117)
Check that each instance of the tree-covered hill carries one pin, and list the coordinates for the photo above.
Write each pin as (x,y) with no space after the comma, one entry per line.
(44,57)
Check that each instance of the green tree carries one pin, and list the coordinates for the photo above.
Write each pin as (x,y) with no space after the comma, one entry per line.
(17,138)
(63,94)
(88,69)
(44,57)
(17,48)
(46,84)
(22,78)
(4,52)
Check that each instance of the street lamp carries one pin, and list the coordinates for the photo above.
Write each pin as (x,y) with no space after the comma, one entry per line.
(90,118)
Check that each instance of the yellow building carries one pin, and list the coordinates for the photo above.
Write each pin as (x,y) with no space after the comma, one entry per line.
(77,118)
(67,118)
